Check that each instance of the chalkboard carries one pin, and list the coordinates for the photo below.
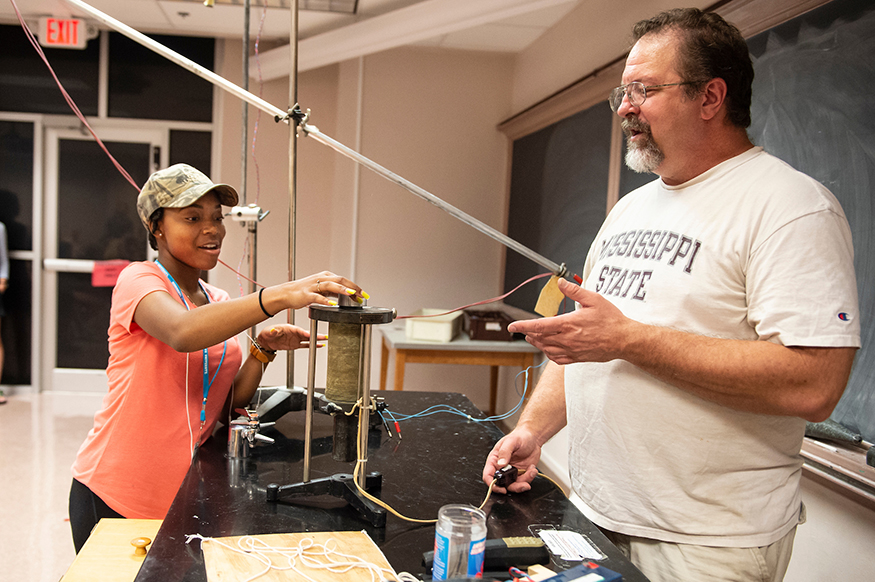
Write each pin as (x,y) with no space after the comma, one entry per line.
(559,181)
(813,95)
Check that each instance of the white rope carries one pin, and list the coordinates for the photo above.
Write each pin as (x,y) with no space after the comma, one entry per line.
(308,554)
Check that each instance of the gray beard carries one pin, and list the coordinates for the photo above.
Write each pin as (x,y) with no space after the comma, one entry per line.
(644,158)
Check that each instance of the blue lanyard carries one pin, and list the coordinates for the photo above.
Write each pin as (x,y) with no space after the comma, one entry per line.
(207,381)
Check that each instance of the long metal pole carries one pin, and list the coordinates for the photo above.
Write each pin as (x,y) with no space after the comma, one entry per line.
(251,227)
(293,174)
(177,58)
(314,132)
(364,394)
(311,391)
(244,158)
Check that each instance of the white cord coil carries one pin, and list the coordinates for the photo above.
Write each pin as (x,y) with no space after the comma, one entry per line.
(306,555)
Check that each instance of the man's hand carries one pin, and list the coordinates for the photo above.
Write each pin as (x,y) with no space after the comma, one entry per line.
(753,376)
(595,332)
(520,449)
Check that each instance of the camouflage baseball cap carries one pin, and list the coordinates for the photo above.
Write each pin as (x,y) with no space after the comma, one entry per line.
(179,186)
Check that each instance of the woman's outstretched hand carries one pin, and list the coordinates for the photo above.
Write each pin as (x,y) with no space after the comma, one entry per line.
(285,337)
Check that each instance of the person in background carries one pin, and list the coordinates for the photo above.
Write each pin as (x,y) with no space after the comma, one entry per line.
(4,284)
(175,365)
(718,313)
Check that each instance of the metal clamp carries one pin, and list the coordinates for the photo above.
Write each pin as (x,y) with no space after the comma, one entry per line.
(243,434)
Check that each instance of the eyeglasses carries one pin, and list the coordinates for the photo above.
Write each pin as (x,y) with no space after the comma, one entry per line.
(636,91)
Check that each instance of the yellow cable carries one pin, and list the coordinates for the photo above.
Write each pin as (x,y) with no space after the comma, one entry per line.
(381,503)
(554,483)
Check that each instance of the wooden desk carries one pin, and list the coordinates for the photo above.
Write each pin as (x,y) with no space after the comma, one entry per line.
(461,350)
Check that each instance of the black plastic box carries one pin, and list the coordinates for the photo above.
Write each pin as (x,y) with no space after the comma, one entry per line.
(488,325)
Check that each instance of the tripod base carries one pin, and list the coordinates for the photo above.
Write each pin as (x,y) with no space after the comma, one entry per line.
(340,485)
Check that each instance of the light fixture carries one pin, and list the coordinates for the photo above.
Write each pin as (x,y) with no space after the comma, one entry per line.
(337,6)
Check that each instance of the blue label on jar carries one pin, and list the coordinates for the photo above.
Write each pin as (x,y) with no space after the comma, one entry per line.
(464,561)
(475,558)
(441,557)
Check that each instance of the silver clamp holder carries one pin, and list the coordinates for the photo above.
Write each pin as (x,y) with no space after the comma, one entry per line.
(243,434)
(248,214)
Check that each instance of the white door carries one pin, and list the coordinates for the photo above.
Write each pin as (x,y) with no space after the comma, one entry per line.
(90,216)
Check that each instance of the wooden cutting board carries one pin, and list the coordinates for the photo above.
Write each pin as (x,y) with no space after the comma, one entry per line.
(225,565)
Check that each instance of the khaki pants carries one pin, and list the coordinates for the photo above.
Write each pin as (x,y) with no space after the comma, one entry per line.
(670,562)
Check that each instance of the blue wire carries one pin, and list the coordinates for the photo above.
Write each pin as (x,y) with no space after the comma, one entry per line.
(439,408)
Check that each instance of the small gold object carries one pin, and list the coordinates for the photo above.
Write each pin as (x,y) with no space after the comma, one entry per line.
(140,545)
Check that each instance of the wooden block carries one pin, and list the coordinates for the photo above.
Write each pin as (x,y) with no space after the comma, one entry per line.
(538,572)
(225,564)
(108,555)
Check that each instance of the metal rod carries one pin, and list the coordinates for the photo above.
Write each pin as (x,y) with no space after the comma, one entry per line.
(178,59)
(318,135)
(365,398)
(312,131)
(252,228)
(252,233)
(293,173)
(311,391)
(244,158)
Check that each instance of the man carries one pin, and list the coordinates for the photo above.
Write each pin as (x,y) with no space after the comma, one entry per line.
(717,315)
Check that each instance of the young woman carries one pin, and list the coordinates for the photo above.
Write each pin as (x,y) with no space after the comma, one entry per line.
(175,365)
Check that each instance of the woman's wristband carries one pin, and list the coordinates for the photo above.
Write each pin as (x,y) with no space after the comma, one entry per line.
(262,355)
(261,303)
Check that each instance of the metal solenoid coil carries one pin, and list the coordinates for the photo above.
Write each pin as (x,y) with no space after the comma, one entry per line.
(348,373)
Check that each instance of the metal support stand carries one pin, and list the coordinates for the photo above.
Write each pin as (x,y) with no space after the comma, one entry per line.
(344,401)
(340,485)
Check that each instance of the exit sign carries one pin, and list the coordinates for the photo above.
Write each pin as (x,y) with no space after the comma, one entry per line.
(62,32)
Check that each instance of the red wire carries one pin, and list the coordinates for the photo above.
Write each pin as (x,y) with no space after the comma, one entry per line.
(499,298)
(33,41)
(541,276)
(239,274)
(30,36)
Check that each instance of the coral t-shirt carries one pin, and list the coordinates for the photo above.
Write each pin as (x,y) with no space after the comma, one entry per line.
(140,448)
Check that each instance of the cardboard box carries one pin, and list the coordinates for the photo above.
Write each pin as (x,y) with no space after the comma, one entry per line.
(443,328)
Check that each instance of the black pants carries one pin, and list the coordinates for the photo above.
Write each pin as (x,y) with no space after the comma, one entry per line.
(86,509)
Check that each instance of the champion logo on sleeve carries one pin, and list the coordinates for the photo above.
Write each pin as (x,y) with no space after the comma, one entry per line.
(845,316)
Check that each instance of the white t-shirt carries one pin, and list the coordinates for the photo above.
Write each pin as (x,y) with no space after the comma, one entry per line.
(752,250)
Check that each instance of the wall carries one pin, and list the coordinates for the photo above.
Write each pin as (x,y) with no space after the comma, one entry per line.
(575,47)
(836,541)
(427,115)
(430,116)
